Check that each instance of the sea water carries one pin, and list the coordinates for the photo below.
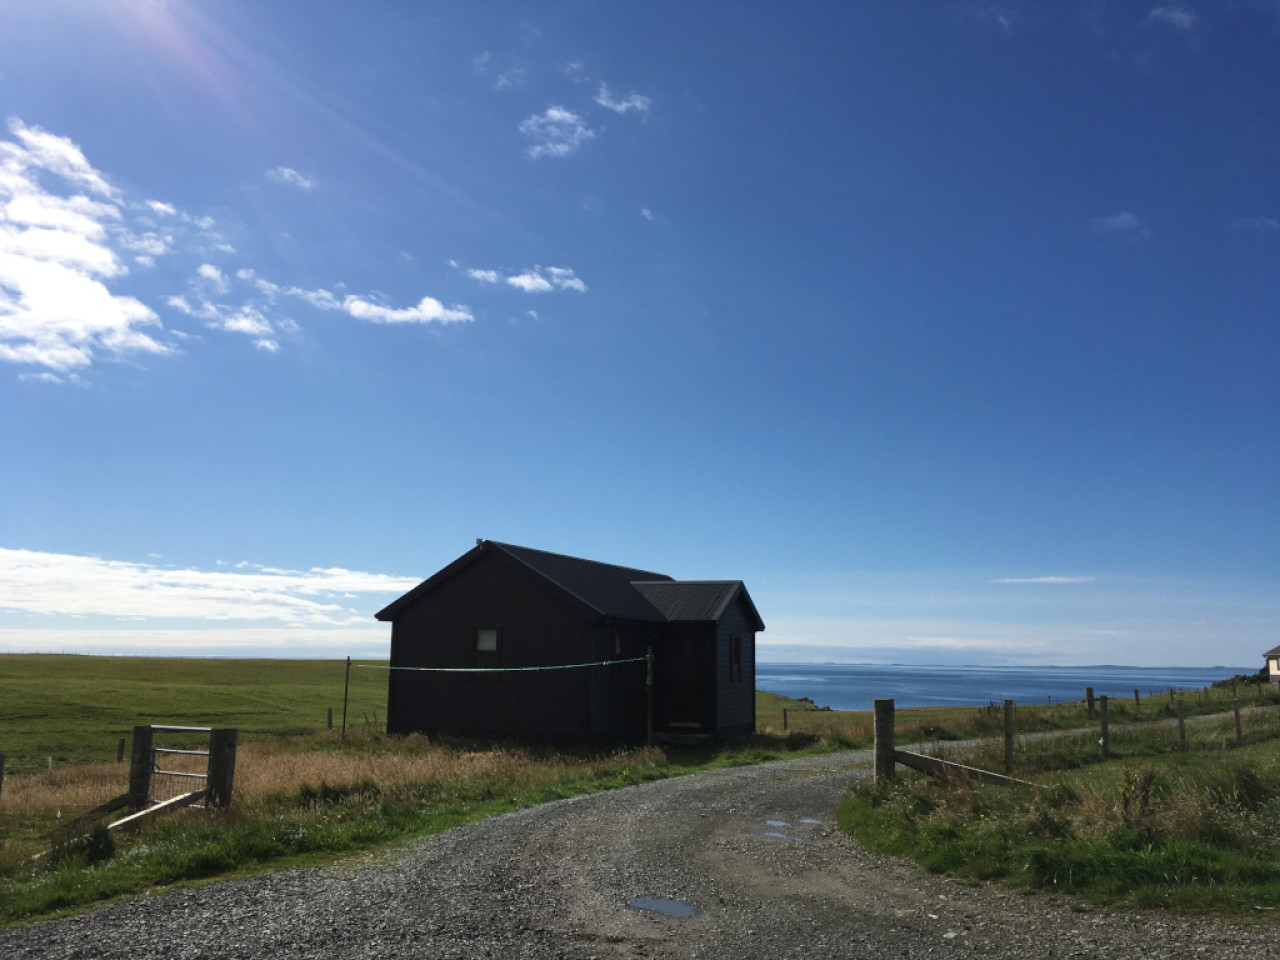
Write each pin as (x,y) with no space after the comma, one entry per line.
(852,686)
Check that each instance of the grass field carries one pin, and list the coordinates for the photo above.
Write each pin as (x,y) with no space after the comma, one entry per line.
(75,709)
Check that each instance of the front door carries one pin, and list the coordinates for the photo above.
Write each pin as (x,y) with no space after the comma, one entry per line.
(684,685)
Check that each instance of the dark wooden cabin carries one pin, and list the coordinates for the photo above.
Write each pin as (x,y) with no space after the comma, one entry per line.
(505,606)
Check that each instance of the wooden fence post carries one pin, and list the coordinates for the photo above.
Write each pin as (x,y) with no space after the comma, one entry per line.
(885,748)
(1,773)
(346,686)
(141,760)
(120,751)
(1106,732)
(1235,705)
(1008,736)
(648,695)
(784,719)
(222,766)
(1182,725)
(330,726)
(1137,703)
(1088,701)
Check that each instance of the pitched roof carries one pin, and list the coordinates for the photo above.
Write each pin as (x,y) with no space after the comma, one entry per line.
(621,593)
(696,600)
(1273,652)
(602,587)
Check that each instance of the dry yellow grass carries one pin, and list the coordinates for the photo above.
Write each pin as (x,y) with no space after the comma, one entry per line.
(269,768)
(69,790)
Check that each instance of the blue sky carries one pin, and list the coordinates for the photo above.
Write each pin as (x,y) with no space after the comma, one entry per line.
(951,328)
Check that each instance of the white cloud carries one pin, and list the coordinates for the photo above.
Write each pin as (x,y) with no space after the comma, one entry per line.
(575,70)
(59,156)
(1177,17)
(531,282)
(534,280)
(428,310)
(321,299)
(558,132)
(1045,580)
(47,377)
(633,102)
(646,213)
(66,234)
(149,244)
(246,319)
(544,280)
(360,642)
(1265,224)
(564,279)
(292,177)
(68,585)
(215,278)
(1123,222)
(508,79)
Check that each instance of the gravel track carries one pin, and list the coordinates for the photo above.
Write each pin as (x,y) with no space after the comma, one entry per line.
(554,882)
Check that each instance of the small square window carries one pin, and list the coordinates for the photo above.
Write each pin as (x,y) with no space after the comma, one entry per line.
(486,647)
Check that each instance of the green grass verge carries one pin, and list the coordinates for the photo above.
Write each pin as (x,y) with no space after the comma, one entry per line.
(1150,827)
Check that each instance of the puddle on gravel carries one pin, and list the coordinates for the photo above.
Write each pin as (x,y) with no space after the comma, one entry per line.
(777,823)
(781,836)
(808,820)
(664,906)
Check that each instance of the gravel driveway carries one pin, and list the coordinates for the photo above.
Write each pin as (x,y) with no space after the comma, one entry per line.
(755,850)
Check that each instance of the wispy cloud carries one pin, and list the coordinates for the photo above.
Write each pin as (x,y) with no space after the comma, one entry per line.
(62,229)
(69,585)
(534,280)
(1177,17)
(250,316)
(292,177)
(1262,224)
(508,79)
(546,279)
(988,17)
(68,236)
(1123,225)
(557,132)
(212,276)
(621,105)
(427,310)
(1045,580)
(646,213)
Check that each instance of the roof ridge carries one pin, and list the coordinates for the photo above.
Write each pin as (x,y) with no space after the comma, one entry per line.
(508,547)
